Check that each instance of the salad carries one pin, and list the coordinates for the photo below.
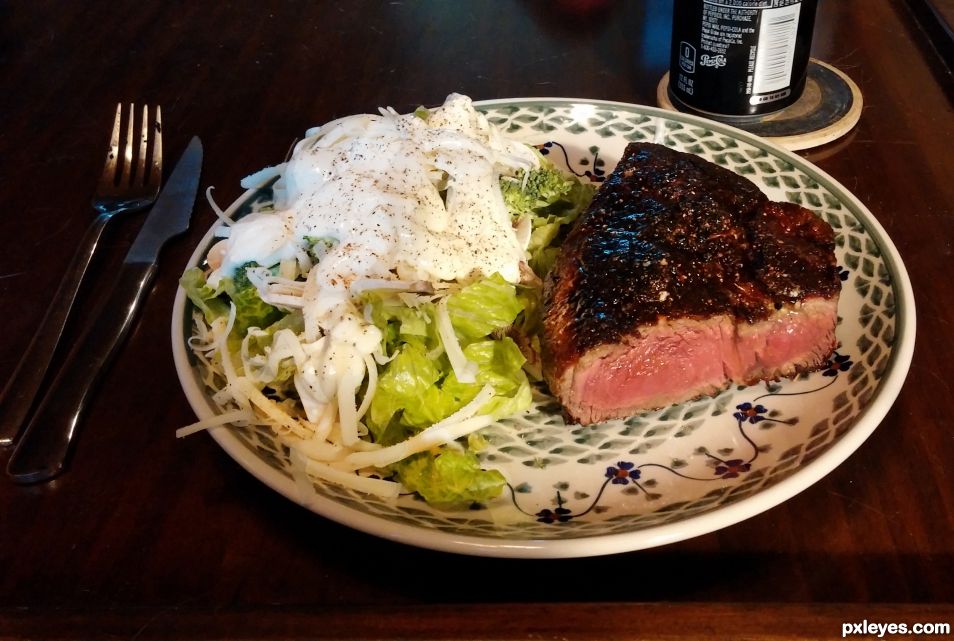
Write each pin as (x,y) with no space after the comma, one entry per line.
(386,306)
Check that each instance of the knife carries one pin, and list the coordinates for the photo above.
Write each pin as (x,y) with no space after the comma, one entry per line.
(42,451)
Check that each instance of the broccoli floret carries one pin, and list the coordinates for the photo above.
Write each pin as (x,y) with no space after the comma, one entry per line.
(552,200)
(240,281)
(542,187)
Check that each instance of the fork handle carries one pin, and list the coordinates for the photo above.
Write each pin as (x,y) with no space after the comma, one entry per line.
(23,384)
(41,453)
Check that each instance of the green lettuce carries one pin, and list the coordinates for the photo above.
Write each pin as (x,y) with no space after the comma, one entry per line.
(415,390)
(451,480)
(405,382)
(399,321)
(258,343)
(418,387)
(250,309)
(476,311)
(500,365)
(206,299)
(483,307)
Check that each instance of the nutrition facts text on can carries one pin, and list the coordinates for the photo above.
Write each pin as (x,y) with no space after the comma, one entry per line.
(723,26)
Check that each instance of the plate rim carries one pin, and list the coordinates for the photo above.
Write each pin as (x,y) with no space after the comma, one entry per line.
(868,419)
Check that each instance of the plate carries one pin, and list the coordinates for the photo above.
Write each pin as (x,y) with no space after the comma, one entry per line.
(659,477)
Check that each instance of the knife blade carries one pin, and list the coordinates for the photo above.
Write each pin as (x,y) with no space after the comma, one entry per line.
(170,215)
(42,451)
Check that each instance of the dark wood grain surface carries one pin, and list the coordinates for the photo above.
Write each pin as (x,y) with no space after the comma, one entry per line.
(149,536)
(936,19)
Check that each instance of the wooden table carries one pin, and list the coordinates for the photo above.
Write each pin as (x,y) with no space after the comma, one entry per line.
(149,537)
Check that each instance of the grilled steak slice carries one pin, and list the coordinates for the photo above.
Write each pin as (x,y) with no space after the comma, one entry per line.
(680,279)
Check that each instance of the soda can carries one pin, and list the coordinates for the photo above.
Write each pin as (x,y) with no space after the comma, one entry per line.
(739,58)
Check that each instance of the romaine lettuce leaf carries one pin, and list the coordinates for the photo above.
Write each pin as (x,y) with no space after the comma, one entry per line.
(451,480)
(483,307)
(418,388)
(204,297)
(250,309)
(500,365)
(405,382)
(258,343)
(399,321)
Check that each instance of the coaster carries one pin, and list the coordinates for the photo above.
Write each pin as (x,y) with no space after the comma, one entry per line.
(828,108)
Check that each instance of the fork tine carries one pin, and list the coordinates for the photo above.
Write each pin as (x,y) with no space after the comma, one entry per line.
(143,141)
(109,167)
(155,174)
(128,149)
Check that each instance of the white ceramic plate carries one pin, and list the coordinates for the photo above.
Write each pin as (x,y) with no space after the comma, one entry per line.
(667,475)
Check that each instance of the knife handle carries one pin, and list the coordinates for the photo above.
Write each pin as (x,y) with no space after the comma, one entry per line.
(41,453)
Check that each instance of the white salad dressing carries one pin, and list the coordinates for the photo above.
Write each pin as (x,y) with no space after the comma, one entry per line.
(261,238)
(392,197)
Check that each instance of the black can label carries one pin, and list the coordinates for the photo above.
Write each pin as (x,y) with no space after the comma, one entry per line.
(740,57)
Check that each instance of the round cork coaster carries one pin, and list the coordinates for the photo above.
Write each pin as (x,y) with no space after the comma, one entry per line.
(828,108)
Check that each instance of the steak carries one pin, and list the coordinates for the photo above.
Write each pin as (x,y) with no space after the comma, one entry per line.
(680,279)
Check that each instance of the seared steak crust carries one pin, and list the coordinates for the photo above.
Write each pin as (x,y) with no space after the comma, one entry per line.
(672,236)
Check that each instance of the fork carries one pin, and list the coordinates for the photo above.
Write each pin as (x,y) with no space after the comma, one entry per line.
(125,186)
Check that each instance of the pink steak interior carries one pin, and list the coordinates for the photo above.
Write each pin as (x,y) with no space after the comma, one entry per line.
(676,361)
